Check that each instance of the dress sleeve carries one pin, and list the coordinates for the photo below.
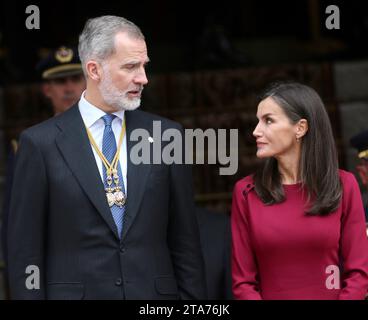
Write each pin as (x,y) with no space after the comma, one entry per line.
(244,267)
(354,243)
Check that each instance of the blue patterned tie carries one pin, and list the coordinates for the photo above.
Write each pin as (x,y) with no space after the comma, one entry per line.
(109,150)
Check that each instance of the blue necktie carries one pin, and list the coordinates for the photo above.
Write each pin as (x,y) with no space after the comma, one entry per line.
(109,150)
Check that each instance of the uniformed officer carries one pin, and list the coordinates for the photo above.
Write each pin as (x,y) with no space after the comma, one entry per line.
(63,79)
(360,142)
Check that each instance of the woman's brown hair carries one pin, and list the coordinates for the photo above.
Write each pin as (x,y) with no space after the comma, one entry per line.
(318,167)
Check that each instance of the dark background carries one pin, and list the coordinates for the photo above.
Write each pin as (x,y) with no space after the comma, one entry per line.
(174,31)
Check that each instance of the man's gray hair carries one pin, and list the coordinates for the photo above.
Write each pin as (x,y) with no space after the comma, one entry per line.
(97,38)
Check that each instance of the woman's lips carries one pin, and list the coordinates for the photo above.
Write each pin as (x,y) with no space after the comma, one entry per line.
(260,144)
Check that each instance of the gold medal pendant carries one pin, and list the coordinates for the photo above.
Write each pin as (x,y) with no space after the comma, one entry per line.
(119,194)
(119,198)
(110,198)
(109,191)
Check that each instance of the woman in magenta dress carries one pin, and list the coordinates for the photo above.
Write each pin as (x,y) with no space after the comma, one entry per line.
(298,224)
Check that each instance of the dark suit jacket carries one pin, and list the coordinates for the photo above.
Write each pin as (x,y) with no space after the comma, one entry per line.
(6,203)
(60,221)
(215,235)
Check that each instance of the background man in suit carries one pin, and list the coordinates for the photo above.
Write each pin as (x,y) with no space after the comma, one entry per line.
(62,83)
(96,225)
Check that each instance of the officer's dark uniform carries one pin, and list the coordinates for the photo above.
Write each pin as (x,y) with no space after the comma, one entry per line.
(60,63)
(360,142)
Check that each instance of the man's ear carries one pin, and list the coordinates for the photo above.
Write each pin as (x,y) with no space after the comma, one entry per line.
(94,70)
(301,128)
(46,89)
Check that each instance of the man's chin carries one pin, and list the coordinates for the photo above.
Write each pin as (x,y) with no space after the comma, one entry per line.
(128,106)
(131,108)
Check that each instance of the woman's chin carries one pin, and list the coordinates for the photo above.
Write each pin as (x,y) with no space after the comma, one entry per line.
(262,155)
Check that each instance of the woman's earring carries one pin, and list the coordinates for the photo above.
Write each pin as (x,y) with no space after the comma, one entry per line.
(297,139)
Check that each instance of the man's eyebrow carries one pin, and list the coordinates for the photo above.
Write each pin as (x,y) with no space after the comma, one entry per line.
(134,62)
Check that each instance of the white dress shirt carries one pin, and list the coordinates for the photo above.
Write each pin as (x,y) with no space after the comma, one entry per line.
(92,117)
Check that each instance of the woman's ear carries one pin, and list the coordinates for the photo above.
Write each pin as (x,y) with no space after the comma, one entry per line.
(301,128)
(94,70)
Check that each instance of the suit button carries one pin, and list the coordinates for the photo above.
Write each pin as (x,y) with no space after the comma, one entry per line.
(118,282)
(122,249)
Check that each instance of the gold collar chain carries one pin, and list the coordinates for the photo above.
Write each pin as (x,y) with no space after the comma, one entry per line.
(114,195)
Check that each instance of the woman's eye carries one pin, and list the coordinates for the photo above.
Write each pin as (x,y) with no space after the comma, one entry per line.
(268,121)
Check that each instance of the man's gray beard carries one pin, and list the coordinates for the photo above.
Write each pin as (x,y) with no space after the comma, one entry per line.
(114,97)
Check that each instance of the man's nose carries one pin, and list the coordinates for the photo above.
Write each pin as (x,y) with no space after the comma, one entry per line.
(141,78)
(69,85)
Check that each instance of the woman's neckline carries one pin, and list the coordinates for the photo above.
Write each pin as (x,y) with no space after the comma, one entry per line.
(292,185)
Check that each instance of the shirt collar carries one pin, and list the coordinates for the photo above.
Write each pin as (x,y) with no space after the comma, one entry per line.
(90,113)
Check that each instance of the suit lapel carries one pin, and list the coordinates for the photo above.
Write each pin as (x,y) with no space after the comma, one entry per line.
(74,145)
(137,174)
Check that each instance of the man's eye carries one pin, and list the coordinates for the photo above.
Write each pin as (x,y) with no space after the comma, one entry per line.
(268,120)
(130,66)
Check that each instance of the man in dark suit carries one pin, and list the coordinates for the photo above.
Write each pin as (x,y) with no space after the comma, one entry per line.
(85,220)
